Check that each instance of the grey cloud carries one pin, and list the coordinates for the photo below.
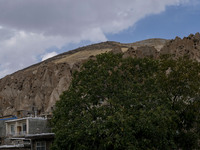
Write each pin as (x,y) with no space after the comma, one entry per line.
(72,17)
(32,26)
(5,34)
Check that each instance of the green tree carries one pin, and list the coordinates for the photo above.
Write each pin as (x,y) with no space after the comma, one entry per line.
(116,103)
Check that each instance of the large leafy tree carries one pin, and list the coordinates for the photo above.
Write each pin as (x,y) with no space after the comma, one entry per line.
(132,103)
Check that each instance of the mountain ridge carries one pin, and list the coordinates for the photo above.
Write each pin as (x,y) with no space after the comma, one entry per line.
(39,86)
(111,43)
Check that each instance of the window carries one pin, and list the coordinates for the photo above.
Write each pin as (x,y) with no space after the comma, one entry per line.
(24,128)
(12,129)
(41,145)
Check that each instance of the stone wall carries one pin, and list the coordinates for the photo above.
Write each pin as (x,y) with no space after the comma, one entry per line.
(2,128)
(37,126)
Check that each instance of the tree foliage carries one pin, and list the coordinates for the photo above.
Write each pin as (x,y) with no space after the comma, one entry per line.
(132,103)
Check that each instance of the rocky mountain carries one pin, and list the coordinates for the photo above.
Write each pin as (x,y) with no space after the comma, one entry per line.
(38,87)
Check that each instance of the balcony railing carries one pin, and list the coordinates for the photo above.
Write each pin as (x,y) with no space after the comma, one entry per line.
(21,133)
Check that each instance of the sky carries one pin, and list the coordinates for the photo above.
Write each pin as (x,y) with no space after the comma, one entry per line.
(32,31)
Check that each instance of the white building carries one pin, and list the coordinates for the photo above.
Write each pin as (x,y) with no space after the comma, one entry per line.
(24,126)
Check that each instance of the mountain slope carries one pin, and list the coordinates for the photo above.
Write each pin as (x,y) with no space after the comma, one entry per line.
(38,87)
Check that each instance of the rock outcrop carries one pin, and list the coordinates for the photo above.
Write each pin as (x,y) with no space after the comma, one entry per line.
(38,87)
(178,47)
(141,52)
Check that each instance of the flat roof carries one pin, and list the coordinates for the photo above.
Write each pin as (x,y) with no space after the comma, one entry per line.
(16,138)
(14,120)
(41,136)
(8,117)
(13,146)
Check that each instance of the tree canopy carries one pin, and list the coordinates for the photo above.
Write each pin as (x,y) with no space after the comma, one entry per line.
(130,103)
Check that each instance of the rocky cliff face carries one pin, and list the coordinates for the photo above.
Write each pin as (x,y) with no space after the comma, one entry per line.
(189,46)
(38,87)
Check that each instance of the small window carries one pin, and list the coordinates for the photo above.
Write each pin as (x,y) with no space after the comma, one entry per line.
(41,145)
(12,129)
(24,127)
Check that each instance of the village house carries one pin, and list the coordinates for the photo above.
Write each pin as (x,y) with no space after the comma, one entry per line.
(3,126)
(41,141)
(28,133)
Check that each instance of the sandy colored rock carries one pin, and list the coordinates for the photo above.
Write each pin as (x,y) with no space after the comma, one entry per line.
(188,46)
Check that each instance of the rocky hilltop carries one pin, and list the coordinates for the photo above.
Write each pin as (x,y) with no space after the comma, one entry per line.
(38,87)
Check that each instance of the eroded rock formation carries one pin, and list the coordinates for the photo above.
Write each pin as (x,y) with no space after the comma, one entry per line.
(40,85)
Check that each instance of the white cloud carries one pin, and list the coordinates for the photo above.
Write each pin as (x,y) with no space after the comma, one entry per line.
(48,55)
(29,27)
(22,49)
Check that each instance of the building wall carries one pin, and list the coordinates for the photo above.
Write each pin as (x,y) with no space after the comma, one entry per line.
(18,128)
(2,128)
(47,141)
(37,126)
(2,131)
(33,126)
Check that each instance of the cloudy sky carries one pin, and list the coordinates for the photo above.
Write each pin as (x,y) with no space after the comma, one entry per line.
(34,30)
